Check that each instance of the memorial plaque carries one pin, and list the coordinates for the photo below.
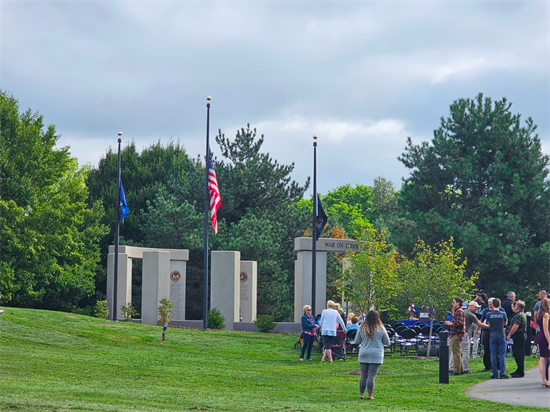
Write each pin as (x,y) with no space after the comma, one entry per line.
(177,289)
(248,291)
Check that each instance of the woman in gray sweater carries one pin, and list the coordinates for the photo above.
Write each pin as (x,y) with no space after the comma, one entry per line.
(372,337)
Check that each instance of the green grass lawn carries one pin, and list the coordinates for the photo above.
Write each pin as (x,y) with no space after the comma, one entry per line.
(52,361)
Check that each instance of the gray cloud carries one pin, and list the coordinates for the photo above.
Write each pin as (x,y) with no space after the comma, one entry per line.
(363,76)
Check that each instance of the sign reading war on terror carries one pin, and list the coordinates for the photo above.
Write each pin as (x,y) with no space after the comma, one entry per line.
(326,245)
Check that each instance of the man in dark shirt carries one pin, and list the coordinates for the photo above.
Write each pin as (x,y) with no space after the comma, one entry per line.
(458,328)
(497,321)
(485,337)
(480,301)
(508,303)
(516,332)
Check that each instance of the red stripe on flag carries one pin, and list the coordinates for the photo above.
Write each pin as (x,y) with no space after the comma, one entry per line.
(215,198)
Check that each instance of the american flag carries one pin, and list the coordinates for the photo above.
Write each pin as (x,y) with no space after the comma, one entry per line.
(214,191)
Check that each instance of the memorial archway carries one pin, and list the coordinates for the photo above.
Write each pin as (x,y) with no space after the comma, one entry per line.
(164,276)
(303,271)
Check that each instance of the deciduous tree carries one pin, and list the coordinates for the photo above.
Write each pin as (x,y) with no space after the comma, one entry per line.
(49,235)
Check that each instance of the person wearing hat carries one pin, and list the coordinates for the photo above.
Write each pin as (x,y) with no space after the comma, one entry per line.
(472,322)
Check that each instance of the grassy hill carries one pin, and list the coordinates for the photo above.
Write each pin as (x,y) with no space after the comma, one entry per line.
(52,361)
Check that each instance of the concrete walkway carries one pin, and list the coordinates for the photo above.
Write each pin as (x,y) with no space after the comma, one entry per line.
(515,391)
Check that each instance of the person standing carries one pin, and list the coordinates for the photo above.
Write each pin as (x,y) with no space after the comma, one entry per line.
(486,337)
(472,324)
(372,337)
(508,303)
(542,295)
(328,323)
(308,332)
(457,328)
(497,320)
(543,340)
(516,334)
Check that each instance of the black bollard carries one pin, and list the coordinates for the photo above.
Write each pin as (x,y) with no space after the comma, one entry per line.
(528,338)
(444,357)
(164,327)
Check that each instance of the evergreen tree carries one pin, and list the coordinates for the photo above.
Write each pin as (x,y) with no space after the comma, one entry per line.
(160,167)
(483,180)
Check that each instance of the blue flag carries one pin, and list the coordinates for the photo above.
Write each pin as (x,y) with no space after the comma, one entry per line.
(123,206)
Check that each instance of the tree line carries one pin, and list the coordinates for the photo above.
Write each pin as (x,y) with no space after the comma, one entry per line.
(482,180)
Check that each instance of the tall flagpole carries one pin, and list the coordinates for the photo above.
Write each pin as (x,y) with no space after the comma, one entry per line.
(117,224)
(206,208)
(314,229)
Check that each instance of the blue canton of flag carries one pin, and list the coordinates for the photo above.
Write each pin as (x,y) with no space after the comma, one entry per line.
(123,206)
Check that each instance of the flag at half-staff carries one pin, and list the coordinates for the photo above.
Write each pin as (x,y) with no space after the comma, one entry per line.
(124,210)
(321,219)
(213,193)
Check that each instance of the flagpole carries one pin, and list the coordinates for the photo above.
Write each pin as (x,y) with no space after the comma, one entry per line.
(314,229)
(117,224)
(206,208)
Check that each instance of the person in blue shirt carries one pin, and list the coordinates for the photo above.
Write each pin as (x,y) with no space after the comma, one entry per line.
(309,328)
(353,324)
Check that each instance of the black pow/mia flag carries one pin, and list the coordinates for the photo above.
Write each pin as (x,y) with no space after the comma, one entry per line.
(321,219)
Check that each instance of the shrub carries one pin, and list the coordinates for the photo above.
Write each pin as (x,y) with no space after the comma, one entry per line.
(128,312)
(165,311)
(265,323)
(86,310)
(101,310)
(215,319)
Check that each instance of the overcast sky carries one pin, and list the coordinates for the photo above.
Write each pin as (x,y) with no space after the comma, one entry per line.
(361,75)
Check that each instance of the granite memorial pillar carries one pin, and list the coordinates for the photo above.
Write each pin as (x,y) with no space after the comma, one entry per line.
(225,285)
(248,290)
(155,284)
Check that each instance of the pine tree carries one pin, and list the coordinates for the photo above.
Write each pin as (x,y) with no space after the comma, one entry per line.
(483,180)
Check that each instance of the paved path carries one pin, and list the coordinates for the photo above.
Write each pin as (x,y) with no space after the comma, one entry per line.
(519,391)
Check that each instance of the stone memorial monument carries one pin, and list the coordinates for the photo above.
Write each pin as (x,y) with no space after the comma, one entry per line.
(248,290)
(225,282)
(303,271)
(158,267)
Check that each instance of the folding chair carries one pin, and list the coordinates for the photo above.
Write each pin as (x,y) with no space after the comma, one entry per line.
(408,341)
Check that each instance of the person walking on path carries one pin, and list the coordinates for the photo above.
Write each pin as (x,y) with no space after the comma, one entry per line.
(372,337)
(516,334)
(329,318)
(458,328)
(308,332)
(543,340)
(497,320)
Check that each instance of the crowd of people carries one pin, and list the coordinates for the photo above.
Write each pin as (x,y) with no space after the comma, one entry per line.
(502,324)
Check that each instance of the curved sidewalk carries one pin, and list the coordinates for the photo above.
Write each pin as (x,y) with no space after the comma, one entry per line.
(515,391)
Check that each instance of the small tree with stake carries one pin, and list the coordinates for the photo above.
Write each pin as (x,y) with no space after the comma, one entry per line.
(435,277)
(165,311)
